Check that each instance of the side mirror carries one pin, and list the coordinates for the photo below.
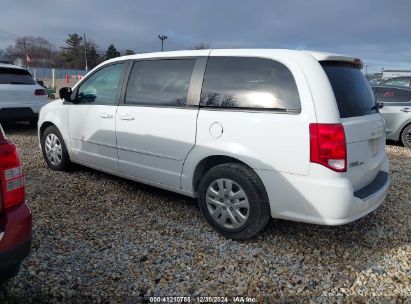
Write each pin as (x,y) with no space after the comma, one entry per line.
(65,93)
(378,105)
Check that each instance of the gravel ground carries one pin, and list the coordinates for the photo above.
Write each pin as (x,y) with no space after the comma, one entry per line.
(98,238)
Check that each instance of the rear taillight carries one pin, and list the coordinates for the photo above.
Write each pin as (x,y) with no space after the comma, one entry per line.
(328,146)
(40,92)
(11,176)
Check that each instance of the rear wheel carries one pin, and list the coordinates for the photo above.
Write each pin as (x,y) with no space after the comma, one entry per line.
(54,149)
(233,200)
(406,136)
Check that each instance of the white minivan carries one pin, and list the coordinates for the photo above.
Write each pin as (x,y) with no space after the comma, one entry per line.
(21,97)
(252,134)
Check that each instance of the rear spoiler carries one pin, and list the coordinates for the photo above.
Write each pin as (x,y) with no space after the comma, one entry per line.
(336,58)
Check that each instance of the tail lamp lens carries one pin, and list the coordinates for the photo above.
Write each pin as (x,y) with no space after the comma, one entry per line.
(40,92)
(11,176)
(328,146)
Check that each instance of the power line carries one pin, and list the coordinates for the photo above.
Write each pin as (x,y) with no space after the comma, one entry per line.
(25,45)
(179,45)
(144,45)
(9,33)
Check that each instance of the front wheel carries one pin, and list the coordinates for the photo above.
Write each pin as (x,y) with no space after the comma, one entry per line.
(406,136)
(233,200)
(54,149)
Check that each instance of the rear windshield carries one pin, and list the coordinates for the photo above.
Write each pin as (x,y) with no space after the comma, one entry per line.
(351,89)
(15,76)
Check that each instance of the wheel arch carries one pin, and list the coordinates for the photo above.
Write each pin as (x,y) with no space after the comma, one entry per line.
(403,126)
(210,161)
(406,124)
(44,126)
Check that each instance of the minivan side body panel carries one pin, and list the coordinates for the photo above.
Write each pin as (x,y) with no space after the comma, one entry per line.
(278,143)
(153,139)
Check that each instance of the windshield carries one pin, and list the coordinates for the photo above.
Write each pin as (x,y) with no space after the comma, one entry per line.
(351,89)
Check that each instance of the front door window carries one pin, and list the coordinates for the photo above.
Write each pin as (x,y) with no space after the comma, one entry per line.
(102,88)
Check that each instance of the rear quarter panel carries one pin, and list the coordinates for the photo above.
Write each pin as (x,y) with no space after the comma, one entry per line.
(264,140)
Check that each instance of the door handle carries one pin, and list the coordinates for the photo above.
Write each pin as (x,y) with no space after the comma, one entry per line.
(106,115)
(406,110)
(127,117)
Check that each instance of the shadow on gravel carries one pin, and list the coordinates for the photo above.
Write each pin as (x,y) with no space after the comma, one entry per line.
(158,192)
(394,143)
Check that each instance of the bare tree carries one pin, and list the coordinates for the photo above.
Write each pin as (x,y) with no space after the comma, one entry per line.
(201,46)
(39,50)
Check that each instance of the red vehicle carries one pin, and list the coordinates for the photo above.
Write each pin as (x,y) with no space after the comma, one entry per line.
(15,214)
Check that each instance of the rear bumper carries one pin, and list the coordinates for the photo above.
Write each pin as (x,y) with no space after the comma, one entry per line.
(15,243)
(23,113)
(323,201)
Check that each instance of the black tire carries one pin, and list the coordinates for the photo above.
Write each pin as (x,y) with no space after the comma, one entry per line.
(65,163)
(406,136)
(247,179)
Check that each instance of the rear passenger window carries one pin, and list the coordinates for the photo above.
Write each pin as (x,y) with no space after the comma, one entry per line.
(160,82)
(253,83)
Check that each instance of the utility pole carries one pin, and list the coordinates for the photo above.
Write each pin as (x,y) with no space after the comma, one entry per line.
(85,51)
(25,46)
(162,38)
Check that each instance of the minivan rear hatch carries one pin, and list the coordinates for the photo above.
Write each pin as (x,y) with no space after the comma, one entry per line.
(364,127)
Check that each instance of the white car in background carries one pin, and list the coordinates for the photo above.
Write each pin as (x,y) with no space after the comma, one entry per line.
(252,134)
(21,98)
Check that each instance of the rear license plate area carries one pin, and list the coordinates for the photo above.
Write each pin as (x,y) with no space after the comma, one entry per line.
(373,144)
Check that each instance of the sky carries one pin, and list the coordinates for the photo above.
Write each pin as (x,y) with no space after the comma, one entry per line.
(377,31)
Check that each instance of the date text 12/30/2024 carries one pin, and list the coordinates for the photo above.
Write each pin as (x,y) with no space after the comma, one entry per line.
(203,299)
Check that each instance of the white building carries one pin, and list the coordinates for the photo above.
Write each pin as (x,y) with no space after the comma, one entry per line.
(395,73)
(19,62)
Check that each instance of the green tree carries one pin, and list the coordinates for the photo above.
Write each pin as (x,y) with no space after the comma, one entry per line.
(73,52)
(93,57)
(129,52)
(112,52)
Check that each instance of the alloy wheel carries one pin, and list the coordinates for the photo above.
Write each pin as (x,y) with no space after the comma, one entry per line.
(53,149)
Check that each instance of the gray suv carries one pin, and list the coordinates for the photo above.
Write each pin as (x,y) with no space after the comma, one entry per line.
(396,111)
